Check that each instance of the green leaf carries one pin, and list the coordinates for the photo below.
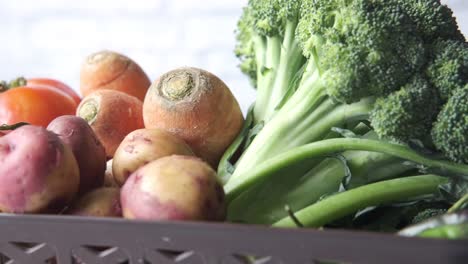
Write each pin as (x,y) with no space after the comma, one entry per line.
(265,70)
(346,133)
(454,190)
(226,165)
(13,126)
(252,133)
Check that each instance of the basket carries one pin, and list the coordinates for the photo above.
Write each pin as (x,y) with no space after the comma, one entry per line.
(72,239)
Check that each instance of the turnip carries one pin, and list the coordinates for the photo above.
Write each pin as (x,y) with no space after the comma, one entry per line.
(196,106)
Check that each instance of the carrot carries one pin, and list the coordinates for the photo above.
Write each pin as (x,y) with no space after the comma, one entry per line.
(111,115)
(196,106)
(113,71)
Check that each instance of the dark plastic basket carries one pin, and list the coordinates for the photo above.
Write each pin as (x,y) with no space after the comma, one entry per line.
(66,239)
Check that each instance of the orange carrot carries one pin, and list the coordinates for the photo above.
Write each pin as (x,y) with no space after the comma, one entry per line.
(196,106)
(111,115)
(113,71)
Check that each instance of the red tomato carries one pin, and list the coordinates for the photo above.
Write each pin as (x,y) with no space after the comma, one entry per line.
(55,84)
(37,105)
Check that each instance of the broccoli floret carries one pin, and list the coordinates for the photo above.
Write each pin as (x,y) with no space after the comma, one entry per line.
(433,19)
(363,48)
(245,47)
(450,132)
(407,113)
(448,70)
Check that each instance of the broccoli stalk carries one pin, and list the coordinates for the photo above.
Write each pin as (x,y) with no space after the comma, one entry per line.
(351,201)
(269,51)
(283,163)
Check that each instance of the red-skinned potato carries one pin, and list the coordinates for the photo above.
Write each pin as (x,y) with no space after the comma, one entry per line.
(142,146)
(38,172)
(101,202)
(174,188)
(87,149)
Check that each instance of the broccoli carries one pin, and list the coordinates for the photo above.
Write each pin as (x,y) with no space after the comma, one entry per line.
(407,113)
(357,52)
(450,131)
(396,65)
(448,69)
(433,19)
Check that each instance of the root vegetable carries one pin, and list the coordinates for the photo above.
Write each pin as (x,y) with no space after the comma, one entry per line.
(87,149)
(196,106)
(111,115)
(102,202)
(111,70)
(142,146)
(173,188)
(38,172)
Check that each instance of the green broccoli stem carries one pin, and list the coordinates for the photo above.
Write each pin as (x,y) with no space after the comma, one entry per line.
(266,72)
(347,202)
(281,69)
(459,204)
(322,148)
(290,64)
(260,55)
(298,126)
(299,190)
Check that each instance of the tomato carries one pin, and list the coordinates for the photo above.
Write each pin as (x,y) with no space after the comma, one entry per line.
(55,84)
(34,104)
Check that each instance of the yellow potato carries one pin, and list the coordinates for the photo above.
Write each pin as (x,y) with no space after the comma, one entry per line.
(174,188)
(142,146)
(102,202)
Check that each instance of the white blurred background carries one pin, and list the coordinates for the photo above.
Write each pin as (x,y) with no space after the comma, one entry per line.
(50,38)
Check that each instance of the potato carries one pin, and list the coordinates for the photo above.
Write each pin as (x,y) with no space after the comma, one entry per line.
(38,172)
(174,187)
(101,202)
(142,146)
(88,150)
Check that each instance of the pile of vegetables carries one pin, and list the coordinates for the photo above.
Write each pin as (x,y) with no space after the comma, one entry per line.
(360,122)
(116,152)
